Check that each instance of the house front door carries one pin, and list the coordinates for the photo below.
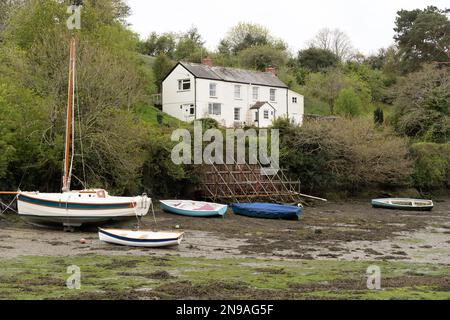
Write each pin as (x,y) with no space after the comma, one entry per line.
(189,112)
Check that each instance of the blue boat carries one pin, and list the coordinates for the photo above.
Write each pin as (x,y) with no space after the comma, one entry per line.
(194,208)
(268,211)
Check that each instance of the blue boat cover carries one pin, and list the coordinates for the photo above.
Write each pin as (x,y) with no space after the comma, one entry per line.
(267,211)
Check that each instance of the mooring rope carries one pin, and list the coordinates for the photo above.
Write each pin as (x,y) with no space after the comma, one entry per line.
(139,218)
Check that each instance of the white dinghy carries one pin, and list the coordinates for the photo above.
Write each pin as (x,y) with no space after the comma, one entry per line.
(194,208)
(141,238)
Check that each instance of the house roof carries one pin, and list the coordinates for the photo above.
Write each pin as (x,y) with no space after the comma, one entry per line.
(258,105)
(203,71)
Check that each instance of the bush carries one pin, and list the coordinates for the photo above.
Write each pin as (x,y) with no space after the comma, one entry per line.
(346,155)
(432,166)
(160,176)
(348,104)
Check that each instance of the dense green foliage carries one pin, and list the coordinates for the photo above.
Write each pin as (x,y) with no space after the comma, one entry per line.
(397,97)
(423,105)
(348,104)
(432,166)
(114,144)
(423,36)
(316,60)
(345,155)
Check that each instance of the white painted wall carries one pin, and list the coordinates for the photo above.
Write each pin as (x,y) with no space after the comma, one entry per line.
(176,103)
(296,110)
(260,115)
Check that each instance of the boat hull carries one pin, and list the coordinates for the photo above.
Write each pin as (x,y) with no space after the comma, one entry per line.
(168,207)
(268,211)
(391,205)
(115,238)
(73,210)
(76,222)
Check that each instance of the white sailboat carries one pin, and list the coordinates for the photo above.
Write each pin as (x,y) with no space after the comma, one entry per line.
(75,208)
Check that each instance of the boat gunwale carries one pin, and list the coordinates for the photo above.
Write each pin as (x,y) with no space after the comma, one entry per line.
(77,203)
(414,203)
(123,238)
(221,206)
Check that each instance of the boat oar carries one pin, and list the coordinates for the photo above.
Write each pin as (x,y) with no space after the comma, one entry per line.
(311,197)
(9,193)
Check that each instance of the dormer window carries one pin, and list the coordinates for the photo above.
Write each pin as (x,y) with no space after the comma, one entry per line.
(184,85)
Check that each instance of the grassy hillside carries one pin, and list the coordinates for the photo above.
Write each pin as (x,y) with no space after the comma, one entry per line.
(149,114)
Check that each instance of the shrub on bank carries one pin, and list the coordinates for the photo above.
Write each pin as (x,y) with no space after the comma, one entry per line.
(432,166)
(344,155)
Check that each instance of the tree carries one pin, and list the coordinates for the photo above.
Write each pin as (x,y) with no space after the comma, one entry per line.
(348,104)
(423,105)
(247,35)
(316,59)
(422,36)
(161,67)
(186,46)
(335,41)
(156,44)
(375,80)
(194,35)
(376,61)
(33,83)
(261,57)
(327,87)
(189,46)
(378,116)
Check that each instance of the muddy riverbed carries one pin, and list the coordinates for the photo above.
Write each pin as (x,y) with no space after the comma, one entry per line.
(333,231)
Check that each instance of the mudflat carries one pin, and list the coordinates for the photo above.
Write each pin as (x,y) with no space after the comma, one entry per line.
(325,255)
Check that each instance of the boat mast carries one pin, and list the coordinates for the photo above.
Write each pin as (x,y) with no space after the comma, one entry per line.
(69,122)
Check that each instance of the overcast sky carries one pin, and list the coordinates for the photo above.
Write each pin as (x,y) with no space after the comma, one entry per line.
(369,23)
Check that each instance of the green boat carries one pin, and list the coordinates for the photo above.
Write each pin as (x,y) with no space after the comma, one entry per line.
(403,204)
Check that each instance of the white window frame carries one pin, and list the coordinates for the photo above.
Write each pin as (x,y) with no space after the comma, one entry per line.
(237,91)
(214,109)
(182,83)
(294,100)
(266,114)
(255,93)
(238,114)
(213,90)
(273,95)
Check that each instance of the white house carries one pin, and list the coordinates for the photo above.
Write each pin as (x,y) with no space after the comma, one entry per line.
(233,97)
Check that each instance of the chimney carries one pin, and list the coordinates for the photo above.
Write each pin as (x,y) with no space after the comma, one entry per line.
(207,62)
(271,70)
